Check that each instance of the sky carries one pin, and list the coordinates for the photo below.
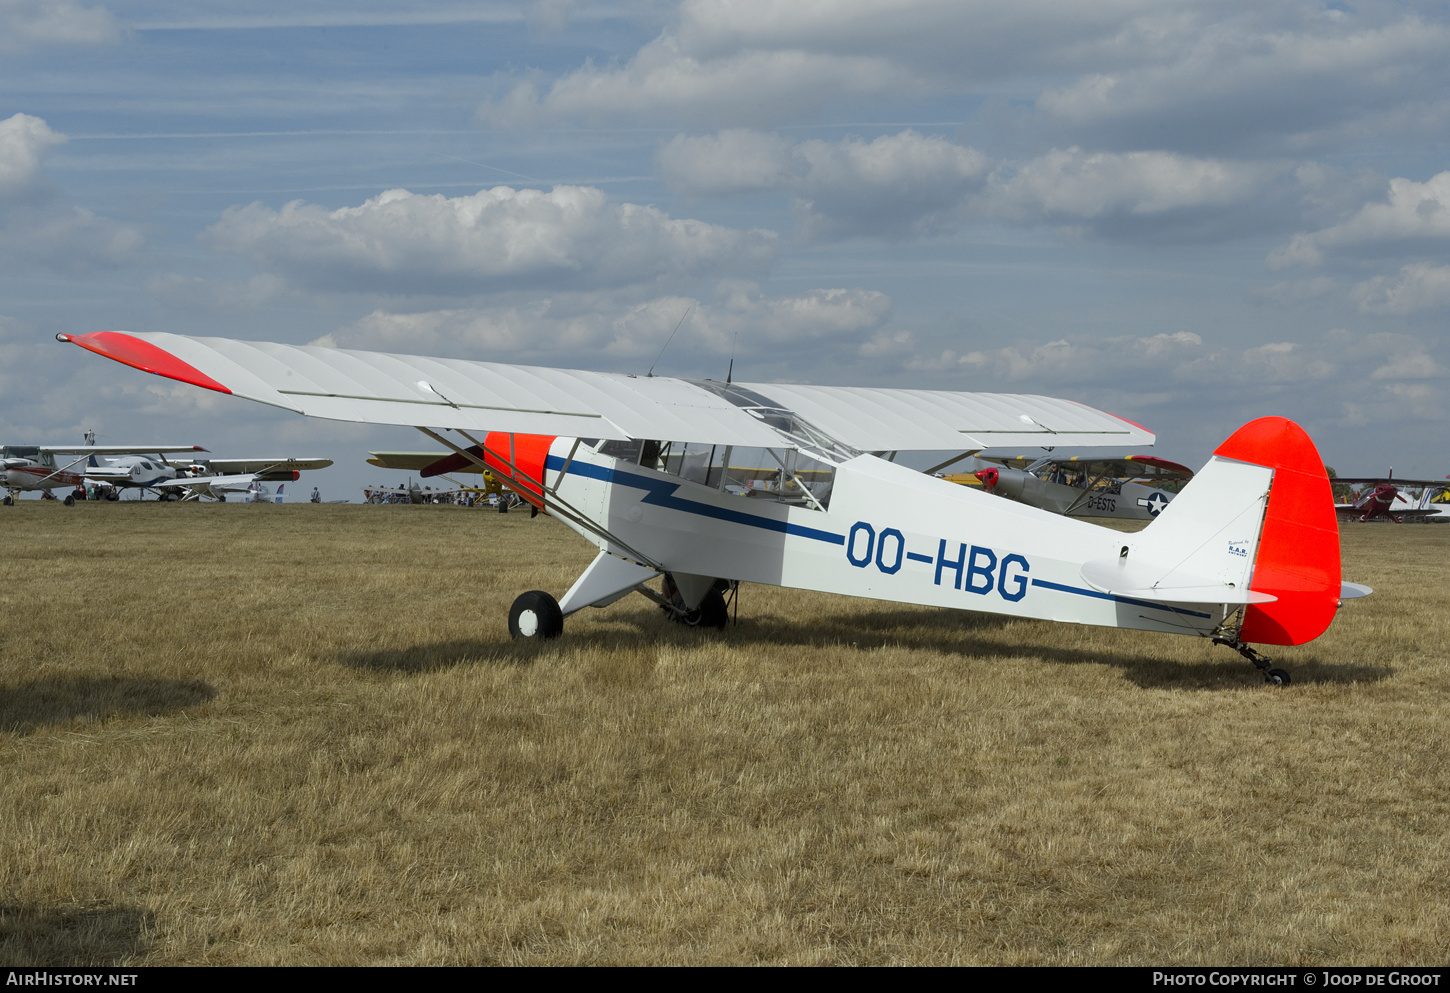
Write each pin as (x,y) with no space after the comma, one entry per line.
(1190,214)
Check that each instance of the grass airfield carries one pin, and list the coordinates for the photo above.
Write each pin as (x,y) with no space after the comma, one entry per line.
(298,734)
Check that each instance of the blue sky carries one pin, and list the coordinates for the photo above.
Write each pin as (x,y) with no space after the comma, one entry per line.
(1188,213)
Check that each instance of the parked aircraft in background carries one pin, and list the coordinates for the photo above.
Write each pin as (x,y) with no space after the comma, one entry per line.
(429,464)
(51,467)
(1248,552)
(1382,499)
(215,478)
(258,492)
(1086,486)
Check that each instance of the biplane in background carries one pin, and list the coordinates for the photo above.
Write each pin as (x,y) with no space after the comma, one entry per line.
(51,467)
(1382,499)
(1125,488)
(1247,553)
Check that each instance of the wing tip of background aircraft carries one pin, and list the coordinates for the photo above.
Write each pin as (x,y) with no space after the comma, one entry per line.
(138,353)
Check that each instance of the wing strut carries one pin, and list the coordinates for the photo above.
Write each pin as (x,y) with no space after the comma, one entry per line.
(517,477)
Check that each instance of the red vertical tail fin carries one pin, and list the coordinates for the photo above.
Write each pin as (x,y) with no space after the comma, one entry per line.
(1298,553)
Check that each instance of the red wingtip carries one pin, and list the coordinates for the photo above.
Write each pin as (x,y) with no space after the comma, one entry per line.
(1298,556)
(132,351)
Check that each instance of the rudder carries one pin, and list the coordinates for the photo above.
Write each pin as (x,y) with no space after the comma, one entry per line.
(1297,559)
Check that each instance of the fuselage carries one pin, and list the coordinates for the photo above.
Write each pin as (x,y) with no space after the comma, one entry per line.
(931,542)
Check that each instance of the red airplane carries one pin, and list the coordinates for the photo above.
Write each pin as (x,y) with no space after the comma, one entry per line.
(1378,501)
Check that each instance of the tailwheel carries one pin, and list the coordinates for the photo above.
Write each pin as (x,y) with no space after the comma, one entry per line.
(1274,677)
(535,614)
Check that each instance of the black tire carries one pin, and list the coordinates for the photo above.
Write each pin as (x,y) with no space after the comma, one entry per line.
(535,615)
(70,500)
(1277,677)
(9,501)
(221,498)
(712,612)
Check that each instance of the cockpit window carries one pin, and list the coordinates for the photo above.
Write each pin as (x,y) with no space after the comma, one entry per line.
(797,430)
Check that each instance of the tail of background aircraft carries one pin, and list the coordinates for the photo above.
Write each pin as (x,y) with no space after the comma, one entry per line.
(278,497)
(1260,516)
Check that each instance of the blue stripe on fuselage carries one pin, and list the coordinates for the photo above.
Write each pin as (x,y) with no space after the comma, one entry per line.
(661,493)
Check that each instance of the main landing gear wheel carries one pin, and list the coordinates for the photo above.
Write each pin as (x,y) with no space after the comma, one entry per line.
(70,501)
(712,612)
(536,615)
(8,501)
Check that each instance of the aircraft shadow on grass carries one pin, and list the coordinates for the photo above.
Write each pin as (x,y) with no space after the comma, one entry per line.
(47,702)
(956,632)
(79,936)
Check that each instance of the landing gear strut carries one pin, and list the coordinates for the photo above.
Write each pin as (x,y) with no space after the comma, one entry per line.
(713,611)
(1274,677)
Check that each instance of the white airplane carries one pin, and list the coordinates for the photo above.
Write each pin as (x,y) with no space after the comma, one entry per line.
(215,478)
(1247,553)
(1086,486)
(35,467)
(258,493)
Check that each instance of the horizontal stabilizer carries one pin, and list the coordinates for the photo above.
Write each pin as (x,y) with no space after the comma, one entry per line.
(1353,591)
(1141,582)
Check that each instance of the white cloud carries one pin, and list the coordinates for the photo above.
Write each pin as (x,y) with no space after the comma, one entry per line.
(27,23)
(1183,360)
(736,160)
(662,82)
(404,243)
(1075,184)
(1412,211)
(1227,52)
(898,185)
(1206,389)
(24,143)
(36,225)
(578,329)
(1189,75)
(1418,286)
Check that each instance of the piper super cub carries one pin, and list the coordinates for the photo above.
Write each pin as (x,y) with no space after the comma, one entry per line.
(1247,553)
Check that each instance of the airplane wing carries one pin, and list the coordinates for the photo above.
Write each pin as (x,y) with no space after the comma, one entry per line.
(265,465)
(232,483)
(108,474)
(117,449)
(1404,484)
(1132,467)
(381,388)
(1349,512)
(415,461)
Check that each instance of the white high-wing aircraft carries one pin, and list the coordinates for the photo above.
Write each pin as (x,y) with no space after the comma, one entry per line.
(1247,553)
(215,478)
(35,467)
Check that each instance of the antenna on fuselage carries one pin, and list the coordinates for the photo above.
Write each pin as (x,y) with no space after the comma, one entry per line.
(731,371)
(671,338)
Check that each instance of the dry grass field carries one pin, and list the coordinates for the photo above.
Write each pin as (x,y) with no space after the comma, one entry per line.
(300,735)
